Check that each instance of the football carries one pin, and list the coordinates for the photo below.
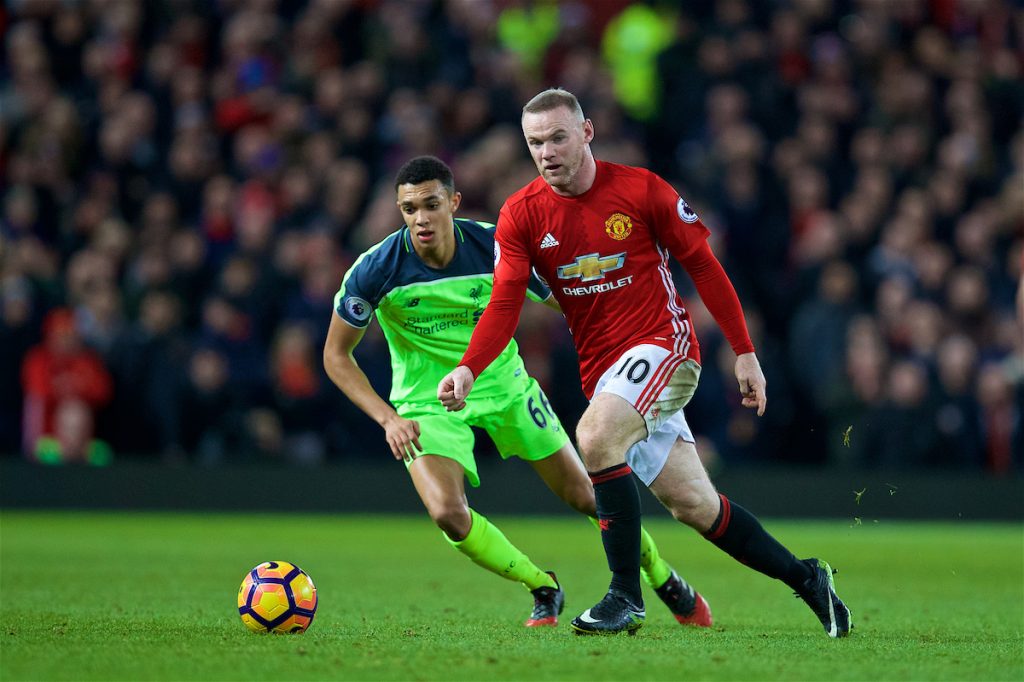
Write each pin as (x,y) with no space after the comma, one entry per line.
(277,596)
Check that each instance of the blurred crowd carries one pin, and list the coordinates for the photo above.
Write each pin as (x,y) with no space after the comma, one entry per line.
(185,182)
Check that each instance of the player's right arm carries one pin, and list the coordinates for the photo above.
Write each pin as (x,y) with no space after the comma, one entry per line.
(500,318)
(342,338)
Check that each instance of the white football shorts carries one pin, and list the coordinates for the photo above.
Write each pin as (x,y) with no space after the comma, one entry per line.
(658,384)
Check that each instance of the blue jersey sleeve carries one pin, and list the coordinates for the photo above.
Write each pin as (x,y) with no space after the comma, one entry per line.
(363,285)
(353,302)
(537,288)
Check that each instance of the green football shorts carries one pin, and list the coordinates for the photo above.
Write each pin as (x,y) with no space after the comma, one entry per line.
(522,425)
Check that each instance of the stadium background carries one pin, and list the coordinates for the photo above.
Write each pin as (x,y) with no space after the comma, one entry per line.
(184,184)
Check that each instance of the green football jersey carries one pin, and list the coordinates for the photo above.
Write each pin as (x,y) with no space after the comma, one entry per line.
(427,314)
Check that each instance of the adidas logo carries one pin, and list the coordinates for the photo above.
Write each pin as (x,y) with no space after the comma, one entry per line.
(548,241)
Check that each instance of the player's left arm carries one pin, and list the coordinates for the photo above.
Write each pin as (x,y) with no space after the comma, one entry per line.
(678,227)
(552,303)
(538,290)
(720,297)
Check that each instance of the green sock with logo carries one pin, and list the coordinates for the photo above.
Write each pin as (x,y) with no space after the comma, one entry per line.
(488,547)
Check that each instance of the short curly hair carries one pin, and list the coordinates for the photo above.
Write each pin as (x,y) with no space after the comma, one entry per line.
(424,169)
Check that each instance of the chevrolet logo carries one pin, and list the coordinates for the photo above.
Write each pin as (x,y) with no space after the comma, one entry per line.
(591,266)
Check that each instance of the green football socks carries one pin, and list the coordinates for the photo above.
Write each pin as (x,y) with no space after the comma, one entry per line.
(653,568)
(488,547)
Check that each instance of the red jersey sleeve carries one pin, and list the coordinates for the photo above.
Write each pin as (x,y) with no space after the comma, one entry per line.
(501,316)
(719,296)
(681,231)
(675,224)
(35,373)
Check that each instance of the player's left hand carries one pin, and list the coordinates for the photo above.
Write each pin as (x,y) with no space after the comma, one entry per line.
(752,383)
(454,388)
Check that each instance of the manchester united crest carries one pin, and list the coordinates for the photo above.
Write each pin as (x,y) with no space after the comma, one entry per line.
(619,226)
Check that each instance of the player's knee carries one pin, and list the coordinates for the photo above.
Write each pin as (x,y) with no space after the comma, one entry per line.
(596,447)
(605,433)
(693,504)
(452,518)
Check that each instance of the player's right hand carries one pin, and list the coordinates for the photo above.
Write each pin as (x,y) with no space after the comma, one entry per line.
(454,388)
(752,383)
(403,436)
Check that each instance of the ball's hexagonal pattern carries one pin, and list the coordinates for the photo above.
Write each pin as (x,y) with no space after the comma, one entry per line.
(304,592)
(277,596)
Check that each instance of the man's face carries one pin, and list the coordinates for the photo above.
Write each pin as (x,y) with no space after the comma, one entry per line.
(557,142)
(427,209)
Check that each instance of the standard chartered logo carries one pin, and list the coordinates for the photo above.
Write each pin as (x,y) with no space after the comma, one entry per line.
(432,324)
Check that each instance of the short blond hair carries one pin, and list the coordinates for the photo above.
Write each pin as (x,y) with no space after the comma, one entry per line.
(553,98)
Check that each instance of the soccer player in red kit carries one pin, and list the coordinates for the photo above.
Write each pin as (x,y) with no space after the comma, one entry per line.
(601,235)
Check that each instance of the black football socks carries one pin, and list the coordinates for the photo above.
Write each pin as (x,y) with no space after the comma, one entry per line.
(618,515)
(738,533)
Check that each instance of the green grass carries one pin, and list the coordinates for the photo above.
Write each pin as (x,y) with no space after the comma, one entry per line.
(90,596)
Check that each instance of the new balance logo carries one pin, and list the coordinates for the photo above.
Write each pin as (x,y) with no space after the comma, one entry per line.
(548,241)
(412,303)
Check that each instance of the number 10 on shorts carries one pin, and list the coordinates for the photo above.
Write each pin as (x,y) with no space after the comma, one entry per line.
(647,377)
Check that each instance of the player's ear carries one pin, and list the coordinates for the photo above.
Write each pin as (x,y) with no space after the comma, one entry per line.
(588,131)
(456,200)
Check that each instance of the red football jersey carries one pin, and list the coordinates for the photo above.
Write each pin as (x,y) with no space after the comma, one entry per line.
(605,256)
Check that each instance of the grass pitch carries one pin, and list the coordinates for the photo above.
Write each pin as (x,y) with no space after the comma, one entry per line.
(94,596)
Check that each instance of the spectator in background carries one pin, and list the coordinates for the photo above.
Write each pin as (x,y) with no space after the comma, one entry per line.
(301,396)
(851,397)
(630,46)
(1001,420)
(818,330)
(65,385)
(17,336)
(208,415)
(900,432)
(229,330)
(957,416)
(529,30)
(148,361)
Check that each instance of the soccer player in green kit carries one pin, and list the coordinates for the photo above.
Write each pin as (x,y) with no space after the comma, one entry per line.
(428,284)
